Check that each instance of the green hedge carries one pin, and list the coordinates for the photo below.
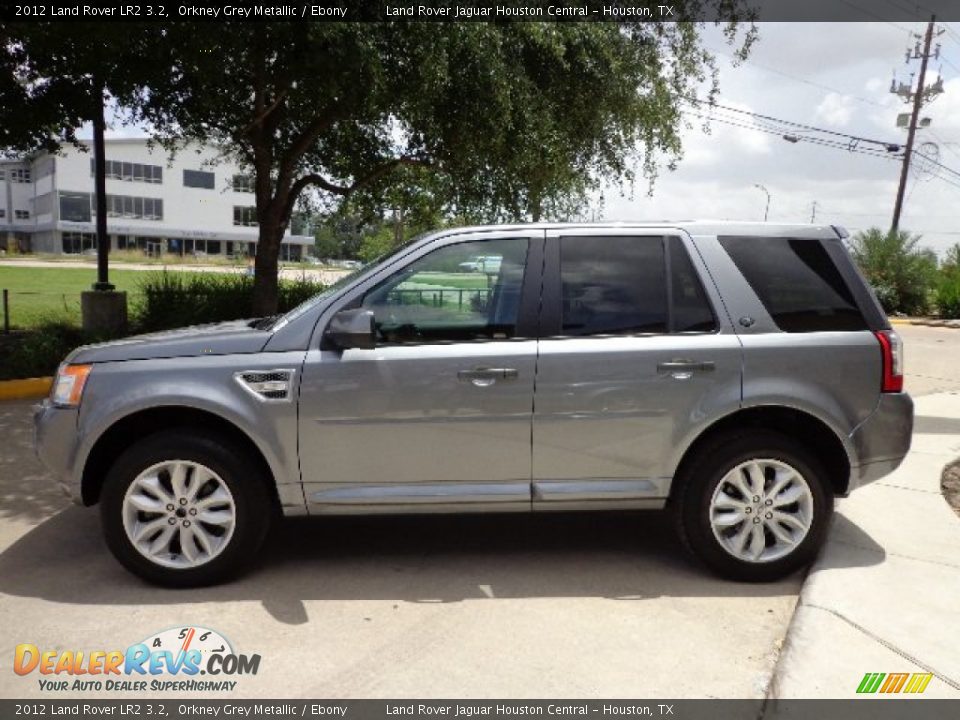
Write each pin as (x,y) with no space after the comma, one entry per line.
(948,294)
(171,300)
(168,300)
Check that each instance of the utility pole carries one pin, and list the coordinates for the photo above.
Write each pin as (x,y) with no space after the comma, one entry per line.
(813,212)
(100,186)
(918,96)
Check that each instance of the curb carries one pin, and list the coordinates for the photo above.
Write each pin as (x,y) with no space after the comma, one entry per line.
(30,388)
(851,611)
(928,322)
(952,324)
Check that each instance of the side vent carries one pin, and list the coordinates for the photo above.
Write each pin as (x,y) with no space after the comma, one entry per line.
(268,385)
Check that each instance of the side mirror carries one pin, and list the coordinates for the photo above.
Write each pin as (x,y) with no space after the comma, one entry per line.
(353,329)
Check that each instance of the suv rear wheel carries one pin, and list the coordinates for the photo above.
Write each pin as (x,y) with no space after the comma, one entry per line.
(754,506)
(182,509)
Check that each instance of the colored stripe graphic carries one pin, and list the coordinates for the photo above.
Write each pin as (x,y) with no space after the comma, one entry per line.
(870,682)
(913,683)
(894,683)
(918,682)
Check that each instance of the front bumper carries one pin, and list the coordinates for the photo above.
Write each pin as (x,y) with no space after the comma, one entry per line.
(55,442)
(882,440)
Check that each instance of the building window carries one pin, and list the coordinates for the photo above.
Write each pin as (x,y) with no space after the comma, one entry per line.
(3,213)
(20,175)
(246,216)
(198,179)
(75,207)
(242,183)
(75,242)
(21,214)
(131,172)
(3,174)
(291,253)
(133,207)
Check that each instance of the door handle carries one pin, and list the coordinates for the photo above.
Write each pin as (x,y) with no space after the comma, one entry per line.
(482,377)
(686,366)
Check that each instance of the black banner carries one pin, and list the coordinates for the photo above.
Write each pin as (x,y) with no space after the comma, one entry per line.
(875,708)
(895,11)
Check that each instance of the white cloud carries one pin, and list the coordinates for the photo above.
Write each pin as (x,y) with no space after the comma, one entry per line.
(835,109)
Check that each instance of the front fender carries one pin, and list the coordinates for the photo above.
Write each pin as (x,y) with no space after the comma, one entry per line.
(118,390)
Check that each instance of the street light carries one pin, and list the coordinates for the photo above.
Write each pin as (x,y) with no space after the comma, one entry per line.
(766,211)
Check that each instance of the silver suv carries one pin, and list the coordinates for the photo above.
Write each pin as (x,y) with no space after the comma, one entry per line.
(740,375)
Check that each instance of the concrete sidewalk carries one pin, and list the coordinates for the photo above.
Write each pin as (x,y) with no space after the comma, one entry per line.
(885,594)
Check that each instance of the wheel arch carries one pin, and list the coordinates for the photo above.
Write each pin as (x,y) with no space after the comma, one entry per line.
(142,423)
(806,428)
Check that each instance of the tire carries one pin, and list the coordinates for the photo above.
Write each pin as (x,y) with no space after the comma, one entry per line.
(711,499)
(219,519)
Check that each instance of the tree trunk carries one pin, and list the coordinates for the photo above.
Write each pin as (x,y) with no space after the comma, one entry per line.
(265,282)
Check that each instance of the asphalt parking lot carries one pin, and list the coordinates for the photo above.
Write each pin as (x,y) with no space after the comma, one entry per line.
(462,606)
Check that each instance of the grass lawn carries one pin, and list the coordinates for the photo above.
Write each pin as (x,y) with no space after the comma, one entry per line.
(38,294)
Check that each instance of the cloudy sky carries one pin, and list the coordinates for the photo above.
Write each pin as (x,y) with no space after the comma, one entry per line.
(829,75)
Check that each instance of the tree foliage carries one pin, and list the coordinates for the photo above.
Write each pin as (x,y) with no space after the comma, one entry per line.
(53,77)
(948,284)
(510,120)
(499,121)
(901,273)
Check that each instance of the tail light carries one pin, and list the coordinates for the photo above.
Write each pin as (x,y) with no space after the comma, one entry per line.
(891,347)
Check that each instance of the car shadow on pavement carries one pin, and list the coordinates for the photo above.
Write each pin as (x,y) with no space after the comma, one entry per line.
(425,559)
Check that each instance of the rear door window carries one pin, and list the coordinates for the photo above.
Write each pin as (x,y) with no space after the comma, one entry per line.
(612,285)
(797,282)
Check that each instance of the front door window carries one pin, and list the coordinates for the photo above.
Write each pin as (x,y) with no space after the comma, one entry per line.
(467,292)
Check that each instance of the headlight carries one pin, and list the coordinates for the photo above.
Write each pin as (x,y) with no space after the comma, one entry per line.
(68,386)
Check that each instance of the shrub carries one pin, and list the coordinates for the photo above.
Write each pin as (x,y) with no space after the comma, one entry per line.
(948,295)
(901,273)
(38,351)
(171,300)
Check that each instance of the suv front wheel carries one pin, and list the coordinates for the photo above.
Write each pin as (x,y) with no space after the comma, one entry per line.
(754,506)
(182,509)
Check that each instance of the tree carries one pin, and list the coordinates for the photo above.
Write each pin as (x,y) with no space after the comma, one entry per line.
(53,78)
(516,119)
(901,273)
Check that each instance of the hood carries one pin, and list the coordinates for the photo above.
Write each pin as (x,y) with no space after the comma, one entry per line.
(227,338)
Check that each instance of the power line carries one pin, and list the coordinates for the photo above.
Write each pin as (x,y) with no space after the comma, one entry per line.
(948,62)
(951,32)
(953,173)
(813,141)
(943,143)
(793,124)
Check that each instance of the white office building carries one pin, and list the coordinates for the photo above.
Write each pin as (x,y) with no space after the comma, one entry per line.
(194,202)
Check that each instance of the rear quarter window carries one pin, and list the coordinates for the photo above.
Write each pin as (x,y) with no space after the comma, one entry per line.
(797,282)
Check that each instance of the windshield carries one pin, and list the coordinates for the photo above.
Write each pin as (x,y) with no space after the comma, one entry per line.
(342,282)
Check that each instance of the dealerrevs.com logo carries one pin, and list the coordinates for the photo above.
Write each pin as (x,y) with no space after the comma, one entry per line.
(169,661)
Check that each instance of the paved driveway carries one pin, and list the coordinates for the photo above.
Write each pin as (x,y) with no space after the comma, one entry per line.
(470,606)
